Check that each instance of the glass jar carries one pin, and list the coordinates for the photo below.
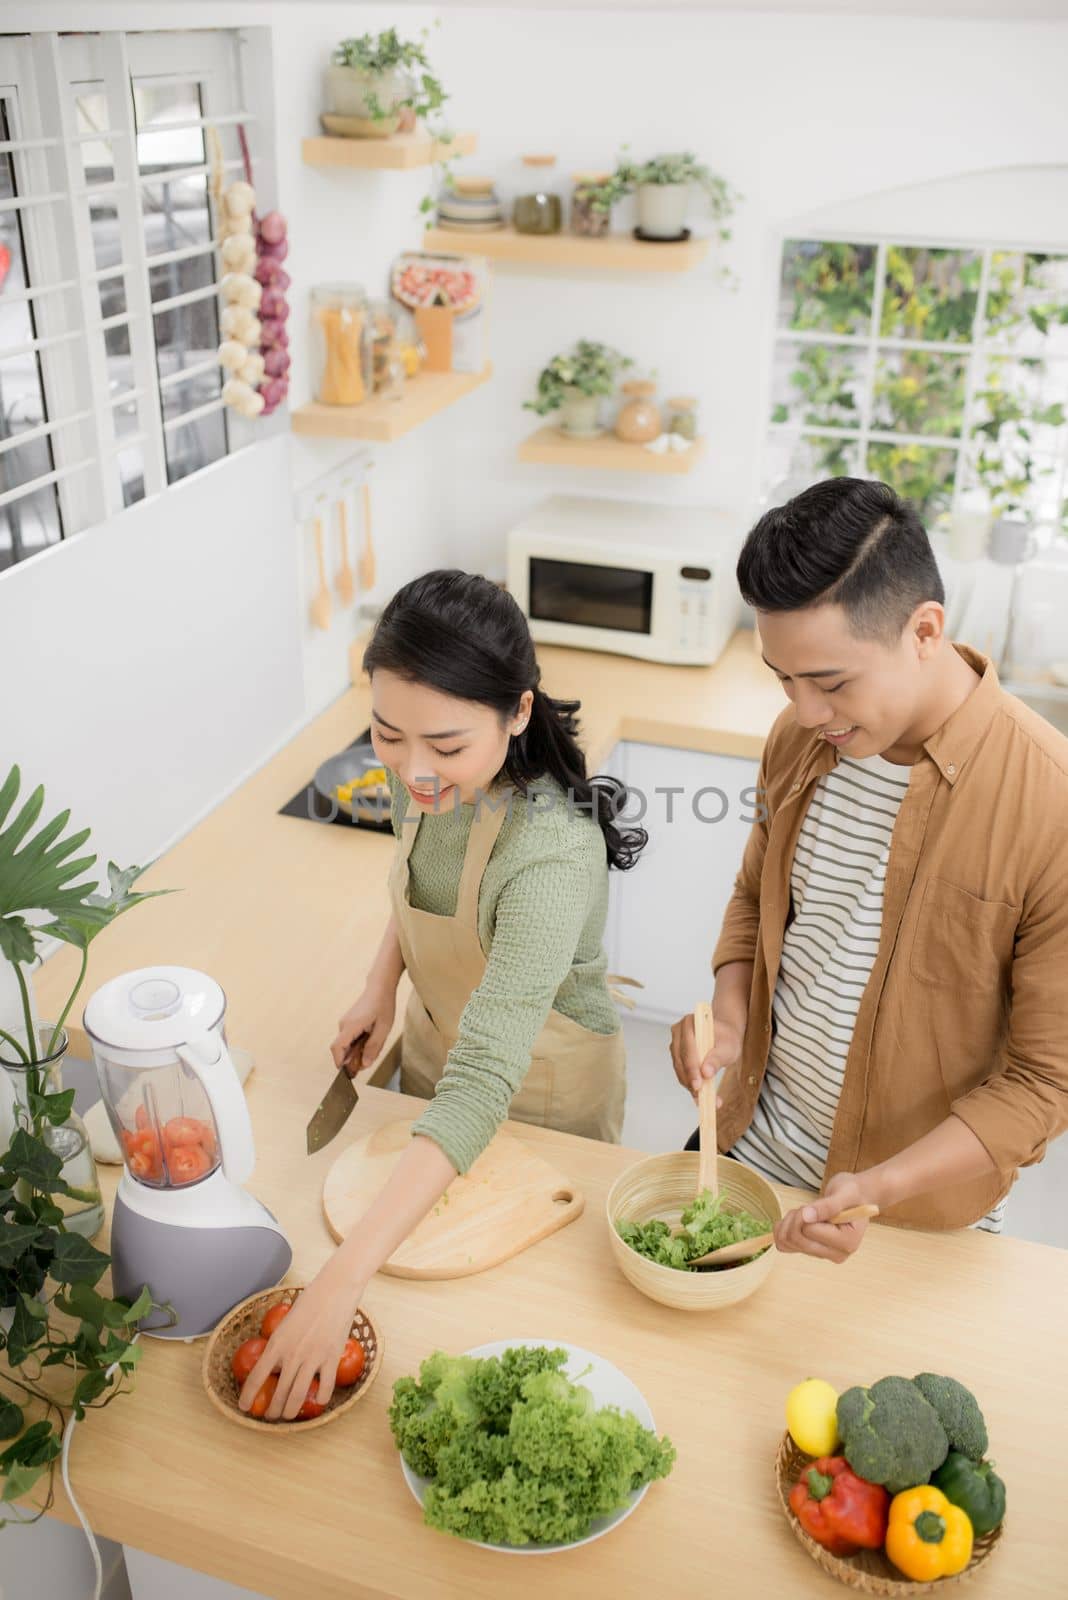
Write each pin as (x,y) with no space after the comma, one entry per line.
(682,414)
(381,331)
(341,374)
(537,208)
(82,1205)
(590,217)
(639,419)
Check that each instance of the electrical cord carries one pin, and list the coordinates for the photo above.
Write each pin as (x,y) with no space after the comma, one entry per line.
(68,1435)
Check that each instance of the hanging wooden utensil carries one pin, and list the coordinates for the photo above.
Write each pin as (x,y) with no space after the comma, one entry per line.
(367,559)
(344,583)
(320,606)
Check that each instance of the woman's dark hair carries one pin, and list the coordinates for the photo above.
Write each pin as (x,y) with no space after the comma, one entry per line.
(848,542)
(465,636)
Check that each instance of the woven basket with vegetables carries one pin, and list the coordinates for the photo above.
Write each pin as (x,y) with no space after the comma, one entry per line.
(887,1487)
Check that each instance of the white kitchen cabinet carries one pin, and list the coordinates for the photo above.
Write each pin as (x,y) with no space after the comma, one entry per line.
(665,913)
(153,1578)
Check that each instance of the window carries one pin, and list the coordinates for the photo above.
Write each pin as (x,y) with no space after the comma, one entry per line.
(942,370)
(109,386)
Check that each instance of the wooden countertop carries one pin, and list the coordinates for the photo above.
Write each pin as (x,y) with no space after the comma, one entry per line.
(286,916)
(329,1514)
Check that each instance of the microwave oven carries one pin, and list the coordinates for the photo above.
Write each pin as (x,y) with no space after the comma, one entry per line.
(652,581)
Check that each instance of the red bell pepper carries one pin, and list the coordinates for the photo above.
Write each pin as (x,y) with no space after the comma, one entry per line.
(840,1511)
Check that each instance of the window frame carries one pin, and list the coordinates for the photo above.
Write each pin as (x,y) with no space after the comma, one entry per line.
(869,344)
(39,74)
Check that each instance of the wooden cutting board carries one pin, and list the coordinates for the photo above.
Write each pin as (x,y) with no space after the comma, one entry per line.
(509,1200)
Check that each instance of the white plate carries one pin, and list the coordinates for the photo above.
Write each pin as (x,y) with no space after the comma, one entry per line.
(609,1387)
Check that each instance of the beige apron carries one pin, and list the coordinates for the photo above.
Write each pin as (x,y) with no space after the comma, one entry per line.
(576,1081)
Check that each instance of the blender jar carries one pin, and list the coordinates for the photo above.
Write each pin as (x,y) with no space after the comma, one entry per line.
(169,1086)
(162,1120)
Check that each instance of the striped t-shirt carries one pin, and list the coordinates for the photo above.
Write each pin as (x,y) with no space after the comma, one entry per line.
(829,949)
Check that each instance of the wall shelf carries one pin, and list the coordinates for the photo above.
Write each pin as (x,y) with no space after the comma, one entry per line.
(617,252)
(550,448)
(382,419)
(399,153)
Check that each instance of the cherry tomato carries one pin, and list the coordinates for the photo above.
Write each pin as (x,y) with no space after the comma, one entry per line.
(144,1155)
(311,1406)
(144,1167)
(187,1162)
(265,1396)
(274,1317)
(182,1130)
(245,1357)
(207,1138)
(353,1360)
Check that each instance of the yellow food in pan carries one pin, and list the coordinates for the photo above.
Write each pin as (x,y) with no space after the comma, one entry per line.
(373,779)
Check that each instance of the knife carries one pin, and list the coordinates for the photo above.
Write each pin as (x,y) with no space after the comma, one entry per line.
(336,1106)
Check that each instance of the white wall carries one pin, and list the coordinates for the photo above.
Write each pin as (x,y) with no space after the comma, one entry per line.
(156,656)
(804,114)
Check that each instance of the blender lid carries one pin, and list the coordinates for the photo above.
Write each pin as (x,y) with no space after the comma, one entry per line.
(154,1008)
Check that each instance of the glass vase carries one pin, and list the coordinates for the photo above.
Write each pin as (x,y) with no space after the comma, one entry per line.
(82,1206)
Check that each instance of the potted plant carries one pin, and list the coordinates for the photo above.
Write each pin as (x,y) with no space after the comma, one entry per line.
(51,1315)
(663,187)
(574,385)
(1007,469)
(381,82)
(592,199)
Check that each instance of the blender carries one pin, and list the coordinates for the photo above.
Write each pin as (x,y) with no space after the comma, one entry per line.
(182,1222)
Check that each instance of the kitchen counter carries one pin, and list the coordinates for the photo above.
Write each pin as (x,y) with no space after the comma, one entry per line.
(287,917)
(329,1514)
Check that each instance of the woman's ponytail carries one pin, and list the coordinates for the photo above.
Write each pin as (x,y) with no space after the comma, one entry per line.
(549,747)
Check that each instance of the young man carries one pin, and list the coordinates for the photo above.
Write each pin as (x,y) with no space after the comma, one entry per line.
(891,998)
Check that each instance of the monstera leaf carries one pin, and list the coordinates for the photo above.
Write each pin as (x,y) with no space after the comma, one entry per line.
(36,872)
(42,872)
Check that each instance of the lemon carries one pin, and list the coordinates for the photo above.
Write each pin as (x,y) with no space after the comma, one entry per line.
(812,1416)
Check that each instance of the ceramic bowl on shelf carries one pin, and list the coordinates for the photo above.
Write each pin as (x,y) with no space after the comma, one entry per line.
(470,205)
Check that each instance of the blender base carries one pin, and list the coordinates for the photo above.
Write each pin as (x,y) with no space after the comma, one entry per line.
(202,1268)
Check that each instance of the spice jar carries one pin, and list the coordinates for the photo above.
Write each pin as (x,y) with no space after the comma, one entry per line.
(340,358)
(538,209)
(590,216)
(683,413)
(639,420)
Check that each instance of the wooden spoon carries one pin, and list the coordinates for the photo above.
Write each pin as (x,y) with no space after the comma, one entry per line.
(707,1169)
(344,583)
(749,1247)
(320,606)
(367,560)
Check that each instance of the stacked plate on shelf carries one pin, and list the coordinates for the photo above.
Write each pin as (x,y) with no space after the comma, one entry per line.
(471,205)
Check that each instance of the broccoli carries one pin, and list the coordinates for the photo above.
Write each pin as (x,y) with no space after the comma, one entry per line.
(708,1223)
(891,1434)
(518,1453)
(958,1411)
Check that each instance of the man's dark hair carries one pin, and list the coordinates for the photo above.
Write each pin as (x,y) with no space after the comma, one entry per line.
(844,542)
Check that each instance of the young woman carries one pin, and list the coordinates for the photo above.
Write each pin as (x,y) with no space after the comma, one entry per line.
(499,892)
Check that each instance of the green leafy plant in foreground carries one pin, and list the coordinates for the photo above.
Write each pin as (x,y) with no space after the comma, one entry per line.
(56,1317)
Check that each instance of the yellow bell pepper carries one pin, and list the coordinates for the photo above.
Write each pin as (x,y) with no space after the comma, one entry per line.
(928,1538)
